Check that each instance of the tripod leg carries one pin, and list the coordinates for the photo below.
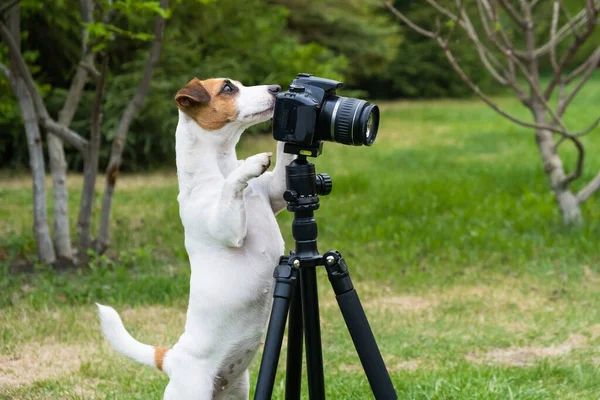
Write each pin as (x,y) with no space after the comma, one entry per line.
(293,377)
(358,326)
(285,277)
(312,330)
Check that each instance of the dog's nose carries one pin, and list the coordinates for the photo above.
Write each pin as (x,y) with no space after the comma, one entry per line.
(274,89)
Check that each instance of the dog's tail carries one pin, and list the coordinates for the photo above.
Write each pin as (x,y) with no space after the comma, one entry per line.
(124,343)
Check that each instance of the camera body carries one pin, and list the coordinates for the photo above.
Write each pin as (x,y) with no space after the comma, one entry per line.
(311,112)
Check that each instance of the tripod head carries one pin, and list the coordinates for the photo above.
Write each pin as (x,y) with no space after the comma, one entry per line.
(304,185)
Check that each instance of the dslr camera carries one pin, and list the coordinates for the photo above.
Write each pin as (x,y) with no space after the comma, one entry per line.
(310,112)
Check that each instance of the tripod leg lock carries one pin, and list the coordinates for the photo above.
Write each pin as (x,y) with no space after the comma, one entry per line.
(285,275)
(337,270)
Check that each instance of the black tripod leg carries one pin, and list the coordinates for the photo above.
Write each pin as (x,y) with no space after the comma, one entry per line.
(293,378)
(285,277)
(358,326)
(312,330)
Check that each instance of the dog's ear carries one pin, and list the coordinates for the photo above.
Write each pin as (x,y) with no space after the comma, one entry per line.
(193,94)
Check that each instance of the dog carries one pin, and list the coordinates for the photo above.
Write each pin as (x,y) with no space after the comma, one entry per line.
(227,207)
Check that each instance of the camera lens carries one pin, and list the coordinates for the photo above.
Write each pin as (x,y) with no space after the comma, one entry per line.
(348,121)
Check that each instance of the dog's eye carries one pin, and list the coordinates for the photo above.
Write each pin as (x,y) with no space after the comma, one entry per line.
(227,88)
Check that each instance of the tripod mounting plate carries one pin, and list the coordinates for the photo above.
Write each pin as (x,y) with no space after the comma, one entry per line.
(314,150)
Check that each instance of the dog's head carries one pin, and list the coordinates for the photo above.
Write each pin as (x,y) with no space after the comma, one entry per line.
(215,103)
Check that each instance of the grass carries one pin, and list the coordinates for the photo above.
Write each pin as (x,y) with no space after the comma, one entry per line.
(473,287)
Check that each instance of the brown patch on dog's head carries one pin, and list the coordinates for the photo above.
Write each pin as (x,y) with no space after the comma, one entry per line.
(211,103)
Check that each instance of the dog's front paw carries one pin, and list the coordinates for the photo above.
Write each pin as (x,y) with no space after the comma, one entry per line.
(253,167)
(257,164)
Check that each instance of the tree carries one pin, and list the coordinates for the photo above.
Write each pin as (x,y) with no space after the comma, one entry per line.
(355,28)
(506,41)
(96,39)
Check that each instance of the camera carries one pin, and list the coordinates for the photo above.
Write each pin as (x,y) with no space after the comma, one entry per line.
(311,112)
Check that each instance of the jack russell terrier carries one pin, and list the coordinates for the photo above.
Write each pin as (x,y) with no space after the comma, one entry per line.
(228,209)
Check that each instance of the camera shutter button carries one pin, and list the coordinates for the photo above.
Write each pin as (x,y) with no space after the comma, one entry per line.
(297,89)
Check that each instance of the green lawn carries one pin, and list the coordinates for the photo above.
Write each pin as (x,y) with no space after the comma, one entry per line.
(473,287)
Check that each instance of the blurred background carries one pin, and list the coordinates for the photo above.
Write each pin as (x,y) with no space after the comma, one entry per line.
(476,283)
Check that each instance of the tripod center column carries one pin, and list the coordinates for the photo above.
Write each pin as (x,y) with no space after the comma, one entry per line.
(303,200)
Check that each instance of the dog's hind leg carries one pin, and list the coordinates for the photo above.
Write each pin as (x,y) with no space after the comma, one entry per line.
(235,389)
(227,222)
(190,380)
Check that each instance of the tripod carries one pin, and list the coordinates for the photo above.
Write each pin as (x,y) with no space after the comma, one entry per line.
(303,188)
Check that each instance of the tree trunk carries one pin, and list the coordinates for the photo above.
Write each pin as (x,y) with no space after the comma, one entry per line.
(90,171)
(58,165)
(36,152)
(568,204)
(36,164)
(112,171)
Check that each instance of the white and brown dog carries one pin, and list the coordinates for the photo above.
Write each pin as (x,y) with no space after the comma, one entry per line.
(228,209)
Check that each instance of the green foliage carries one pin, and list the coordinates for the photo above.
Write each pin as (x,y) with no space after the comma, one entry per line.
(133,17)
(356,28)
(420,68)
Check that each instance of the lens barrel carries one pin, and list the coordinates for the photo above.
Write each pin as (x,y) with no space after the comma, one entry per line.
(348,121)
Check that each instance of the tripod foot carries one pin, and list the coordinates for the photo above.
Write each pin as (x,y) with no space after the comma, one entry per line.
(358,326)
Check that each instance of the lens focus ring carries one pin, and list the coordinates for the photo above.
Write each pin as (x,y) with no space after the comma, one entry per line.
(343,120)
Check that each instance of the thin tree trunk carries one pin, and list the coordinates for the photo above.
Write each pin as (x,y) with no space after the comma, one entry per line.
(568,204)
(58,165)
(90,171)
(36,153)
(112,171)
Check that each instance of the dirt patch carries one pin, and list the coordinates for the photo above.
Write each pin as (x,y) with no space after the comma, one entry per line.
(526,356)
(406,365)
(399,303)
(496,297)
(125,181)
(392,366)
(594,331)
(155,325)
(396,304)
(34,362)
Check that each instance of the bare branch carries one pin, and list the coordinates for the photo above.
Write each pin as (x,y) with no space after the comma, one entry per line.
(483,51)
(488,12)
(555,13)
(572,51)
(586,76)
(90,171)
(407,21)
(513,13)
(442,10)
(591,62)
(64,133)
(584,194)
(19,62)
(69,136)
(570,20)
(132,108)
(6,7)
(579,20)
(6,72)
(84,68)
(90,69)
(580,159)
